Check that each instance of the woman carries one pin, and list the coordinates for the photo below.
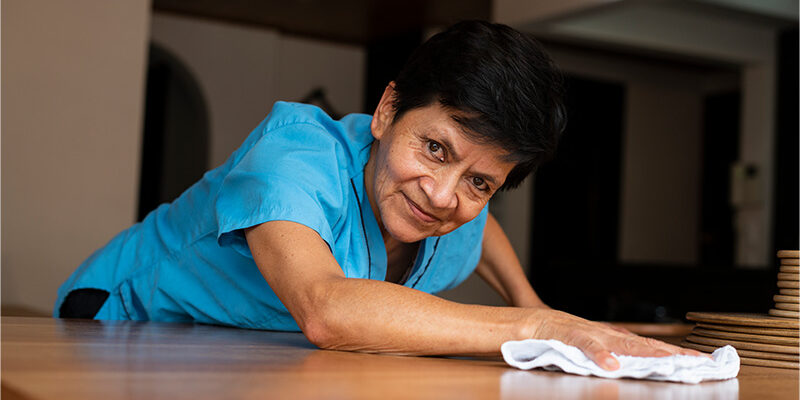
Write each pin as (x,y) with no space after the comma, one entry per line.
(342,229)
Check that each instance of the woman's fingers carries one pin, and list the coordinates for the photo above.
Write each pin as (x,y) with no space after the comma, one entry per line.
(598,340)
(649,347)
(597,352)
(607,361)
(643,347)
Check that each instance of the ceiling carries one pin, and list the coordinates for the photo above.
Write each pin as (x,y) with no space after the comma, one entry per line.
(349,21)
(717,31)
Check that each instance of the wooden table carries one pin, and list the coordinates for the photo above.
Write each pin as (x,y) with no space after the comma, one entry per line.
(45,358)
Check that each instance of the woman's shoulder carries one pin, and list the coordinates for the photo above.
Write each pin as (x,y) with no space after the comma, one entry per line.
(308,128)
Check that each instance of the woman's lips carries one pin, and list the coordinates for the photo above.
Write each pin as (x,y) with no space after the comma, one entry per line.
(422,215)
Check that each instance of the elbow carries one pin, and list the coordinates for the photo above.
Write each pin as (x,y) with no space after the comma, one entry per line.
(318,322)
(319,333)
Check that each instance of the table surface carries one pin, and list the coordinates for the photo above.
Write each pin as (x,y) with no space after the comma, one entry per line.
(44,358)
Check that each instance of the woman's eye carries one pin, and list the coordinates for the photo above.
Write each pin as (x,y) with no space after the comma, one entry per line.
(479,183)
(435,149)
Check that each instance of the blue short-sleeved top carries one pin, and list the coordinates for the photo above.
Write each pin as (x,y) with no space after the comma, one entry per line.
(188,260)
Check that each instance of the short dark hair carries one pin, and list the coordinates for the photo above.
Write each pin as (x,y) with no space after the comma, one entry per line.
(505,88)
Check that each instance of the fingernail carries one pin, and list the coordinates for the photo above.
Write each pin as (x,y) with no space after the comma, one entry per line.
(611,363)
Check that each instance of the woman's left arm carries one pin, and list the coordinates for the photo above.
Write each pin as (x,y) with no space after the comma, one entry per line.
(501,269)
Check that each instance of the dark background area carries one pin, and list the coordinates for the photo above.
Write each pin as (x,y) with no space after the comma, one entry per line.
(574,262)
(574,241)
(575,265)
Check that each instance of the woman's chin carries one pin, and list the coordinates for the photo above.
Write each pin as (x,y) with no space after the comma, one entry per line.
(406,233)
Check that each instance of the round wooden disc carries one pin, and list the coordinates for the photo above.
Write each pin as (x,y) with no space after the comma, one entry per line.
(788,253)
(745,337)
(769,363)
(772,348)
(789,292)
(790,261)
(788,276)
(790,269)
(753,330)
(779,298)
(784,313)
(789,284)
(743,319)
(788,306)
(744,353)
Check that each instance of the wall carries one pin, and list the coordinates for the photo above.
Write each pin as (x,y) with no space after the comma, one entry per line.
(674,27)
(515,12)
(735,32)
(660,176)
(660,195)
(243,70)
(73,81)
(234,66)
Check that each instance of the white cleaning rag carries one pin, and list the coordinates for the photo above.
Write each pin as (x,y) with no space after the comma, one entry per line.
(554,355)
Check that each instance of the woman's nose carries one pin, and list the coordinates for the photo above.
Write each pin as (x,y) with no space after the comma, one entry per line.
(441,190)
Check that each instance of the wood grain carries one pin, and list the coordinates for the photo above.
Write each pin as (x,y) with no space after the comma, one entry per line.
(743,319)
(788,253)
(754,330)
(774,348)
(787,306)
(788,284)
(769,363)
(745,353)
(45,358)
(788,276)
(784,313)
(779,298)
(789,292)
(790,262)
(783,340)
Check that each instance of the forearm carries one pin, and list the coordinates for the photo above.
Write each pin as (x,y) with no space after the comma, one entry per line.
(336,312)
(501,269)
(342,313)
(381,317)
(376,316)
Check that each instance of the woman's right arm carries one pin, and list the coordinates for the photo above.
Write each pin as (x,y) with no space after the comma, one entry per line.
(335,312)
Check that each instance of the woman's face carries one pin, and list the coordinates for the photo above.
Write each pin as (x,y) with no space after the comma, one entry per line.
(424,176)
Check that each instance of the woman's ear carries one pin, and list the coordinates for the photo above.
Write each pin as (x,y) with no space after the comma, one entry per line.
(384,113)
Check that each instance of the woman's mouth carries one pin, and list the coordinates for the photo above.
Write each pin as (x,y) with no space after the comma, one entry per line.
(418,212)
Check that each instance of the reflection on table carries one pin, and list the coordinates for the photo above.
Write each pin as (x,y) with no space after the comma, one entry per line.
(45,358)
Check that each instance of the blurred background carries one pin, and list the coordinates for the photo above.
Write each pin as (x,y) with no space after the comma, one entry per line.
(675,184)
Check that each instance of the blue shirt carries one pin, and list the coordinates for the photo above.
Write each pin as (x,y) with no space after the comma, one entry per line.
(189,261)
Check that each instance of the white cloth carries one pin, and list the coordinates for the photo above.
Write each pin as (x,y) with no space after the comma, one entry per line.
(554,355)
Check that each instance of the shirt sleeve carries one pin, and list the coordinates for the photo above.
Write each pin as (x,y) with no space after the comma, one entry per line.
(292,173)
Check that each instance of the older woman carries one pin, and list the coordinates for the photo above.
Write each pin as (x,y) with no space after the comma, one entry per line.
(343,229)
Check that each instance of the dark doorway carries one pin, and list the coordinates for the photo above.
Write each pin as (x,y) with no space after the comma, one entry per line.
(575,266)
(176,131)
(576,196)
(786,217)
(720,152)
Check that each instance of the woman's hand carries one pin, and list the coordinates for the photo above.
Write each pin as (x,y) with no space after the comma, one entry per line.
(598,340)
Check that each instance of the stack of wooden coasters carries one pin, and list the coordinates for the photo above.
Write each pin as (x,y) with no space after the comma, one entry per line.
(759,339)
(787,301)
(769,340)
